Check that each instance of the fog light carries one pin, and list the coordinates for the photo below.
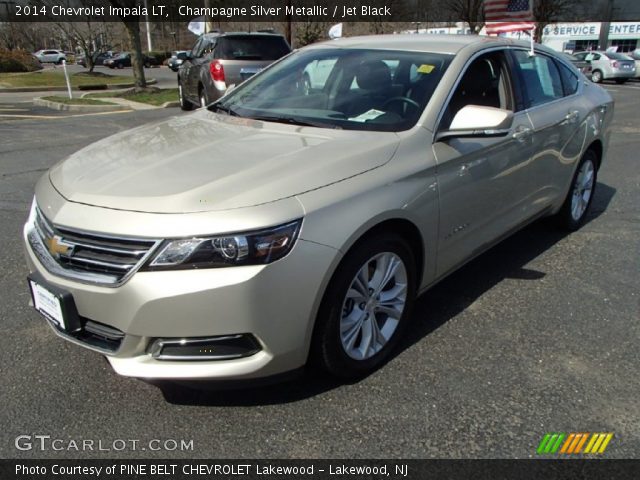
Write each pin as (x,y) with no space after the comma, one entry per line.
(204,348)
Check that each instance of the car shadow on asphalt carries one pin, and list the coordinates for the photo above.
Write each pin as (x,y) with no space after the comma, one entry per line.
(432,310)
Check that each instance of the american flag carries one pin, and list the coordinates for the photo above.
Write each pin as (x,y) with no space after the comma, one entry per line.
(508,16)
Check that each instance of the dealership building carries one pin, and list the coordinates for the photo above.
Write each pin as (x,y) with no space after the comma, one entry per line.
(584,36)
(569,36)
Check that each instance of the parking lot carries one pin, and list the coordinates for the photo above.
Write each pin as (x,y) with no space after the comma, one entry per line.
(538,335)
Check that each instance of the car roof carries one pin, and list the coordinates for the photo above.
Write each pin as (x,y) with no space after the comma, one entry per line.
(434,43)
(232,34)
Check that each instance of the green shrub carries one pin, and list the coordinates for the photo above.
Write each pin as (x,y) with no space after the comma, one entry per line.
(18,61)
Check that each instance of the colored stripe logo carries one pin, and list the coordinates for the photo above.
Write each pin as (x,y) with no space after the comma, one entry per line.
(573,443)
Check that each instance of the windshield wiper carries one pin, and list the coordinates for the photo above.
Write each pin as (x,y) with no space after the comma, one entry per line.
(295,121)
(227,110)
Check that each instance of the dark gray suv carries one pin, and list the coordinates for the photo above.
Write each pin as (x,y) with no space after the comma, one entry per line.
(219,60)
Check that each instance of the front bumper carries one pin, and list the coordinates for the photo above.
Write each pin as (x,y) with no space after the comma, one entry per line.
(275,303)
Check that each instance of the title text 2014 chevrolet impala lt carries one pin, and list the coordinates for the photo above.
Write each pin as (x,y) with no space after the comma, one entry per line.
(297,218)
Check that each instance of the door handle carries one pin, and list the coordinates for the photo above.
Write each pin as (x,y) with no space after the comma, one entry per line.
(571,117)
(522,133)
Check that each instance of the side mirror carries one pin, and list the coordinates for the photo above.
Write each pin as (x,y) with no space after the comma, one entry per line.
(479,121)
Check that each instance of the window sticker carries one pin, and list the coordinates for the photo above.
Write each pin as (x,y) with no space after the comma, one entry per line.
(366,116)
(424,68)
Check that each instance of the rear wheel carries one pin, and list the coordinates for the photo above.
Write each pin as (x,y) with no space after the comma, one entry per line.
(120,66)
(366,307)
(203,97)
(596,76)
(184,103)
(578,202)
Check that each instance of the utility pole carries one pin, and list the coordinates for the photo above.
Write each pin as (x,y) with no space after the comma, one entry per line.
(288,29)
(146,21)
(207,17)
(603,39)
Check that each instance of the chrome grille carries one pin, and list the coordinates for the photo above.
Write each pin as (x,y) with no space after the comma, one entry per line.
(87,257)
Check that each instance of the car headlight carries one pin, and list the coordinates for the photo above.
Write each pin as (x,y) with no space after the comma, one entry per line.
(251,248)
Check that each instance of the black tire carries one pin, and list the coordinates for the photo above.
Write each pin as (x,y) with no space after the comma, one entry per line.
(620,81)
(147,65)
(327,350)
(566,218)
(185,104)
(120,66)
(596,76)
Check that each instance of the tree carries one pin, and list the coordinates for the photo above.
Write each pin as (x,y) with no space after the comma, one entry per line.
(546,12)
(92,37)
(310,32)
(132,25)
(469,11)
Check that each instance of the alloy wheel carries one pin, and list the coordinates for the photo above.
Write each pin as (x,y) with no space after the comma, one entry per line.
(582,190)
(373,306)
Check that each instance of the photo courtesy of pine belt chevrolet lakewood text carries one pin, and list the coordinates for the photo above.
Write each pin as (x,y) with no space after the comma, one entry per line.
(295,219)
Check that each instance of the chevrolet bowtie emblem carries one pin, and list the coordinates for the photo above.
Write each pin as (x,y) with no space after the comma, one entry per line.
(58,247)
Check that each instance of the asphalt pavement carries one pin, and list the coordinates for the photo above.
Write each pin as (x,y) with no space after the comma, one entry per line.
(538,335)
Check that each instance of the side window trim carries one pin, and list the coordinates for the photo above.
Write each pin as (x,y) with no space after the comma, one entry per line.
(571,71)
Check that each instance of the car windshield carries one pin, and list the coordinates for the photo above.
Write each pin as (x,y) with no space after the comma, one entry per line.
(354,89)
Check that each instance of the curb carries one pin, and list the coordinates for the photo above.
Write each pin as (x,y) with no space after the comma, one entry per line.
(147,106)
(77,108)
(170,104)
(96,86)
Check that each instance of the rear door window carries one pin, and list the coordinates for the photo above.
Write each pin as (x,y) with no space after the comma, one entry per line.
(540,77)
(570,80)
(252,47)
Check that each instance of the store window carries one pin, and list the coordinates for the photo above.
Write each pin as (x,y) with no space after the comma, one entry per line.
(627,45)
(584,45)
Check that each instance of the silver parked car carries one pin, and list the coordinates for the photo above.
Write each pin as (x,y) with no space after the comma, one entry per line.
(291,221)
(220,60)
(609,66)
(636,58)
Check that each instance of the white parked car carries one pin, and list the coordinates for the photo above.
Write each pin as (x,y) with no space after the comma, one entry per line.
(636,57)
(50,56)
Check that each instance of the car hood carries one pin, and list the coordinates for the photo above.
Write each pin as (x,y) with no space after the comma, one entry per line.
(206,161)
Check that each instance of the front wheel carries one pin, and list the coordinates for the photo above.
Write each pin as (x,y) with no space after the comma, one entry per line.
(366,307)
(596,76)
(120,66)
(576,206)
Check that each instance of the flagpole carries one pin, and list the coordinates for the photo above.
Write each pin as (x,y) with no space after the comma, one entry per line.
(533,31)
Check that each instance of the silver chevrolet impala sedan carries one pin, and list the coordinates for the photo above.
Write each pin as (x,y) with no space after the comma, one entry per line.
(295,221)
